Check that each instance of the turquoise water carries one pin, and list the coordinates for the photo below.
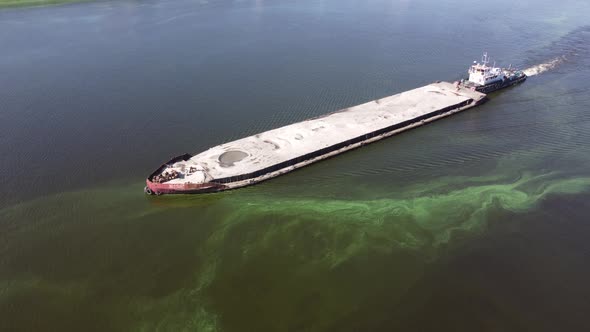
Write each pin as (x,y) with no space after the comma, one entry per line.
(475,222)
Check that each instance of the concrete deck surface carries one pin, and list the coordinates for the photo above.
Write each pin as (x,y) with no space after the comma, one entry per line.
(277,145)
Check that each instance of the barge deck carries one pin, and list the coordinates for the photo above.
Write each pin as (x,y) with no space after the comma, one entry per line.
(262,156)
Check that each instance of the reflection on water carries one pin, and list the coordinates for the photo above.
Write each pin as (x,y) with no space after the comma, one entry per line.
(476,222)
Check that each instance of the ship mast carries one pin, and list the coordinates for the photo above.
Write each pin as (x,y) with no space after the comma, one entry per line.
(484,59)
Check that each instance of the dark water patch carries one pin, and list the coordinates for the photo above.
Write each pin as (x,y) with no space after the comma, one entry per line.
(535,285)
(100,255)
(192,262)
(311,297)
(384,286)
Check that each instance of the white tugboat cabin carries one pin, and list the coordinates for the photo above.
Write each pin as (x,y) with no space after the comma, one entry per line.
(483,74)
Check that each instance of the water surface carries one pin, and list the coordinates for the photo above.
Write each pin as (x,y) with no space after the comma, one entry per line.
(475,222)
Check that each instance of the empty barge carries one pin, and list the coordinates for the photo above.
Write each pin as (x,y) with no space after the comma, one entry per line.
(275,152)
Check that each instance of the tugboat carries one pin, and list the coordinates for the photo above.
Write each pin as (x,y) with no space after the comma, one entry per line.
(486,79)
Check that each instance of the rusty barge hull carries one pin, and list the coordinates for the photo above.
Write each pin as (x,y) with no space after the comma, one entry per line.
(275,152)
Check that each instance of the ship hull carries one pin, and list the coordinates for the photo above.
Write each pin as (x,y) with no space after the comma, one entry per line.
(489,88)
(181,188)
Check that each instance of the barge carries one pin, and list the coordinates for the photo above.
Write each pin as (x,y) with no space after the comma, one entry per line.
(278,151)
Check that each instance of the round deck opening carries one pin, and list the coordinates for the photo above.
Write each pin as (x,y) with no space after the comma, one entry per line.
(227,159)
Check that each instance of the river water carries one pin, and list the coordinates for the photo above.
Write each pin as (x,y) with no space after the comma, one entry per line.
(478,222)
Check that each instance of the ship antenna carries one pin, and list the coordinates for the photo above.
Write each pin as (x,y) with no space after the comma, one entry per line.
(484,58)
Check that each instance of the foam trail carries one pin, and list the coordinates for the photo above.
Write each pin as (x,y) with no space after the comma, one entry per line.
(543,67)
